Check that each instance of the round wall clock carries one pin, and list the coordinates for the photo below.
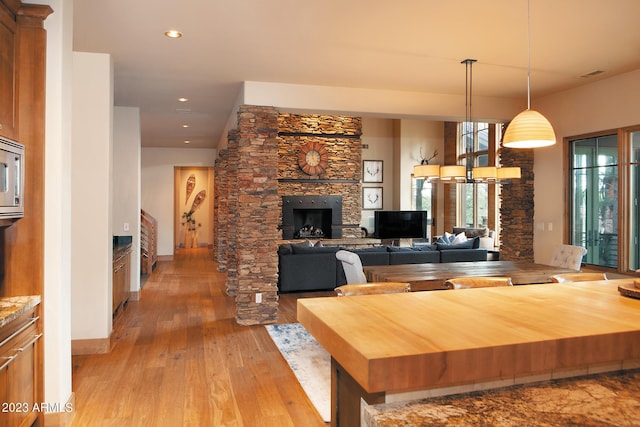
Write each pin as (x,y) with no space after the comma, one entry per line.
(313,158)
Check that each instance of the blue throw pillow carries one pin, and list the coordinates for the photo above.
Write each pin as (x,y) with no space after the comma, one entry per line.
(442,240)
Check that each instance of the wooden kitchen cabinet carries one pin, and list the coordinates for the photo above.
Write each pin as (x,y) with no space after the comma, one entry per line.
(121,280)
(23,42)
(8,83)
(19,372)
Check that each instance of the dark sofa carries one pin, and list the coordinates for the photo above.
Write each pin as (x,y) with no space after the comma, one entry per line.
(303,268)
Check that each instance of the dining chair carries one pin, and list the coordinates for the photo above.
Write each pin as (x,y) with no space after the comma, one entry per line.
(477,282)
(568,256)
(372,288)
(577,277)
(357,280)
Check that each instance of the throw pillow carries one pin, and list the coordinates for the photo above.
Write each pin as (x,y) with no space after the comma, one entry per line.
(460,238)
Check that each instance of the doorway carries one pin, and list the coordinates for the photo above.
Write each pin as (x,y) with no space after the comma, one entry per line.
(193,206)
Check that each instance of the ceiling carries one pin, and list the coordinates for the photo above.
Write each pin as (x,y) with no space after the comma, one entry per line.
(407,45)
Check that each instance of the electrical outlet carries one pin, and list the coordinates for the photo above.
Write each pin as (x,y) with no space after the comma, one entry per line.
(259,298)
(126,226)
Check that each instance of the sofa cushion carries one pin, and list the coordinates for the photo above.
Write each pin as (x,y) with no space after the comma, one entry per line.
(313,249)
(464,245)
(423,246)
(462,255)
(373,256)
(399,249)
(413,257)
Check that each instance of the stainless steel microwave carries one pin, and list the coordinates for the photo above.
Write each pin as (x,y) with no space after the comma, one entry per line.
(11,179)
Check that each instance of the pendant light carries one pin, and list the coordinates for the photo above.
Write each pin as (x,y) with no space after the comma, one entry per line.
(529,129)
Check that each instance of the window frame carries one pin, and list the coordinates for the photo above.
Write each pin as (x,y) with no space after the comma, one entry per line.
(463,157)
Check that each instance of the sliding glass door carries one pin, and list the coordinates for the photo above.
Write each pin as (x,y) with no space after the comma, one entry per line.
(594,203)
(634,203)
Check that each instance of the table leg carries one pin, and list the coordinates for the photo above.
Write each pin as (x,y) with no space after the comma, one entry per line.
(345,397)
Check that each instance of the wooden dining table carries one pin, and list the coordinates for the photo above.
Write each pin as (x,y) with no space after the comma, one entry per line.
(431,276)
(386,347)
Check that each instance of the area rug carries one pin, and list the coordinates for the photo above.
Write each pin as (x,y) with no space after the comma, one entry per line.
(308,360)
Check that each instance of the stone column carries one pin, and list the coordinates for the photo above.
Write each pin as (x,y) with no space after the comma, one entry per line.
(516,207)
(255,214)
(221,209)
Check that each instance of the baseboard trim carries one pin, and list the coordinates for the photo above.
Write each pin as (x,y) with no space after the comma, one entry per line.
(134,296)
(92,346)
(64,418)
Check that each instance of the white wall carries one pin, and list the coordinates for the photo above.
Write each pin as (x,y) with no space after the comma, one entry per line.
(126,183)
(603,105)
(378,135)
(414,136)
(91,234)
(157,176)
(57,220)
(399,143)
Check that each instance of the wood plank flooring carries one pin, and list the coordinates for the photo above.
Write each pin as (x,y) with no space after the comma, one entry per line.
(180,359)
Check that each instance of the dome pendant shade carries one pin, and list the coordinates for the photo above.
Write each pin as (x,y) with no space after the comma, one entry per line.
(529,129)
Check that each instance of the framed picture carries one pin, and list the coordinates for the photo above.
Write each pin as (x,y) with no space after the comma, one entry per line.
(371,197)
(372,171)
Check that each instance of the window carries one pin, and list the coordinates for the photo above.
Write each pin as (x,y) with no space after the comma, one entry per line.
(474,149)
(421,200)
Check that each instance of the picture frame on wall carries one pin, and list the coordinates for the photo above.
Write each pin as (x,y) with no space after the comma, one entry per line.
(372,170)
(372,198)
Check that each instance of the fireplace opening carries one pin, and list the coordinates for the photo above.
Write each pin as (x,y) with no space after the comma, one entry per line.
(311,223)
(306,217)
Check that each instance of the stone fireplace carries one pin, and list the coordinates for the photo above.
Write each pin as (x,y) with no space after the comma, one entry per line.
(257,173)
(311,217)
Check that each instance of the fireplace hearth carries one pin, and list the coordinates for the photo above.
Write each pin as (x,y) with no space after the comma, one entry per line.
(311,217)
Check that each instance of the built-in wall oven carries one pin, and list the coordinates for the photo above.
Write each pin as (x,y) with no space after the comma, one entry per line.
(11,179)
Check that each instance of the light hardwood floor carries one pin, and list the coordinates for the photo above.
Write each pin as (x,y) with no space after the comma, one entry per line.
(180,359)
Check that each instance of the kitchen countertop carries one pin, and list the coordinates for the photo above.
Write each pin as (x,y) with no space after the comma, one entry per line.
(601,400)
(121,244)
(13,307)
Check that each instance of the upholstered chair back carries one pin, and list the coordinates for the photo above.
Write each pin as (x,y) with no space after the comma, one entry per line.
(568,256)
(352,267)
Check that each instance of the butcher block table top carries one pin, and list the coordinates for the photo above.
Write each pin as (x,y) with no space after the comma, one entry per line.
(431,276)
(398,342)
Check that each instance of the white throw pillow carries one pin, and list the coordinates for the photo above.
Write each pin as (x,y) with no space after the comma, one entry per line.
(460,238)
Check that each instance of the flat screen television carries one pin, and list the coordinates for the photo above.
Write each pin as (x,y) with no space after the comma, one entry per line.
(400,224)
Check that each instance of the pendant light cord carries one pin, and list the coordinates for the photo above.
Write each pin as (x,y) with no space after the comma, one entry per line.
(528,54)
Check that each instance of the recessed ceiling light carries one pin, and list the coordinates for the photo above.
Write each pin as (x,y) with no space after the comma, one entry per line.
(186,141)
(173,34)
(185,126)
(183,99)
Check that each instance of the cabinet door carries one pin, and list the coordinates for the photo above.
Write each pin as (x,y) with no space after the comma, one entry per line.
(18,379)
(8,84)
